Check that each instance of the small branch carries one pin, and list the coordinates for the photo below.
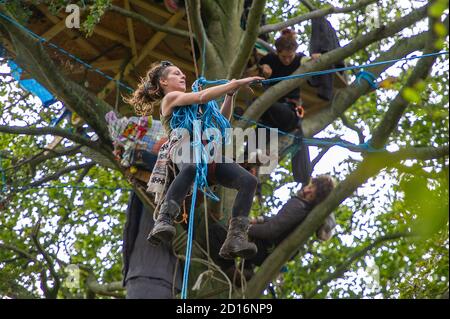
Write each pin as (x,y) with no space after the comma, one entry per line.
(399,104)
(57,280)
(314,14)
(353,127)
(19,251)
(266,45)
(352,258)
(308,5)
(48,131)
(319,157)
(62,172)
(39,158)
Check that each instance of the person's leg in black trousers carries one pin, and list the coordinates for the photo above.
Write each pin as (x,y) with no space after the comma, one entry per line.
(234,176)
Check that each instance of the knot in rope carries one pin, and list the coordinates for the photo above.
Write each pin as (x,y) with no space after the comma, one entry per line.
(369,77)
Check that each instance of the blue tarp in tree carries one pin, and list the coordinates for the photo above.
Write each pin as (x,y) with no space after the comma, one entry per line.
(30,85)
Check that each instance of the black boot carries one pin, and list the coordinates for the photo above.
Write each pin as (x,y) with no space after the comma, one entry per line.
(236,244)
(164,229)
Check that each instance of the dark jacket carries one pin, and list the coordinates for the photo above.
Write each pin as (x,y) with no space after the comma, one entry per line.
(140,258)
(276,228)
(323,39)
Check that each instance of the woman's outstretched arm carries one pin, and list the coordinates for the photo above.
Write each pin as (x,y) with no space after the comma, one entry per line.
(177,98)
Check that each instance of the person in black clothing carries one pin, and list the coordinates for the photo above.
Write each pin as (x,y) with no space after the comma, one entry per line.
(148,271)
(268,232)
(323,39)
(284,114)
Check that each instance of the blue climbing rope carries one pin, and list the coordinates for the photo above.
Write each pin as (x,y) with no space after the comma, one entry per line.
(3,188)
(364,147)
(43,40)
(368,77)
(353,67)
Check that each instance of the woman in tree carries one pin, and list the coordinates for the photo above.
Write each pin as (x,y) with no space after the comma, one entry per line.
(166,83)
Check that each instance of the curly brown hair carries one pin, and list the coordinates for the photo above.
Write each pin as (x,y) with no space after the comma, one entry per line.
(324,186)
(286,41)
(149,90)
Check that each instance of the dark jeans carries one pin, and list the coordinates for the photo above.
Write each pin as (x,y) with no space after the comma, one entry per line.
(230,175)
(282,116)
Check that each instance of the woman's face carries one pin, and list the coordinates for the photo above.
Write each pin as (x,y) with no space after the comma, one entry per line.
(286,57)
(174,80)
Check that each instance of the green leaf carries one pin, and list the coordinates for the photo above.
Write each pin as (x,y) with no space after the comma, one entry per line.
(411,95)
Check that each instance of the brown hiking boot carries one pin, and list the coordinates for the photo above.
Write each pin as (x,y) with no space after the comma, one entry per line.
(236,244)
(164,229)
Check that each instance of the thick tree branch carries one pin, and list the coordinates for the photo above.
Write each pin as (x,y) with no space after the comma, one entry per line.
(417,153)
(247,40)
(146,21)
(314,14)
(270,96)
(347,97)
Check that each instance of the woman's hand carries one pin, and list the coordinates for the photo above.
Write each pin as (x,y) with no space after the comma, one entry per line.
(244,82)
(247,81)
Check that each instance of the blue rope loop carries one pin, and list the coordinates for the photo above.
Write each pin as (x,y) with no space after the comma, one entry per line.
(368,77)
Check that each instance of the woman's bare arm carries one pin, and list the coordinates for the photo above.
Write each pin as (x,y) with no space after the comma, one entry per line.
(177,98)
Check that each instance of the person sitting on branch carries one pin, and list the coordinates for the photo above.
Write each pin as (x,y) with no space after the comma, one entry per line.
(269,232)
